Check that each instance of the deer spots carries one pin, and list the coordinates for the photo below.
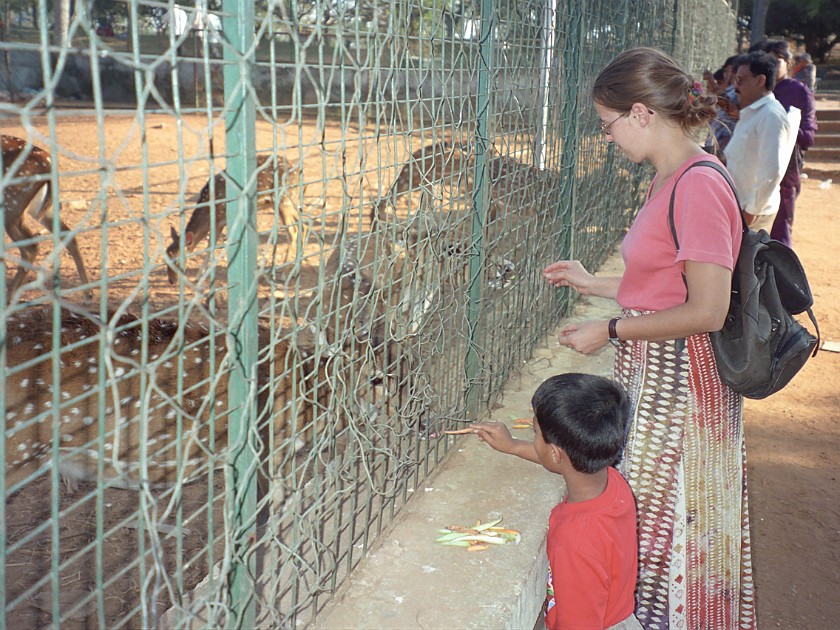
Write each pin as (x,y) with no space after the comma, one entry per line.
(137,408)
(20,196)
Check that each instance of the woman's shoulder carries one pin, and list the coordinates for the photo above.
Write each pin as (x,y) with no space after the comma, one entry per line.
(703,181)
(702,168)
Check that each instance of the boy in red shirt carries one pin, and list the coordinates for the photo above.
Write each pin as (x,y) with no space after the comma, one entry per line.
(592,546)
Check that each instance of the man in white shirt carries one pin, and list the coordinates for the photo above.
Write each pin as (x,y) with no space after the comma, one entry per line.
(178,19)
(762,143)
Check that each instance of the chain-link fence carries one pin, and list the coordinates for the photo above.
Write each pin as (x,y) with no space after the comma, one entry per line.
(307,239)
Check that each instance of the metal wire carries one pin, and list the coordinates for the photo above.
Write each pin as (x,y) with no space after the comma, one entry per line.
(389,180)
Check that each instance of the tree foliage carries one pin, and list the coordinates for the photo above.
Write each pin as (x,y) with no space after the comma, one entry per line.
(816,23)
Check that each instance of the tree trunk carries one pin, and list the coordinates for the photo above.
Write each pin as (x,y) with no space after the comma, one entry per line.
(758,20)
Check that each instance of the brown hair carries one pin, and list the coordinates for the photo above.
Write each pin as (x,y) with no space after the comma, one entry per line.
(649,76)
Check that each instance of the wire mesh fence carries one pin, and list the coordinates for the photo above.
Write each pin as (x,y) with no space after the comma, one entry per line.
(309,238)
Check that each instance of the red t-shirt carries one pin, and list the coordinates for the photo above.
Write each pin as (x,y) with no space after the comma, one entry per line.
(706,217)
(593,560)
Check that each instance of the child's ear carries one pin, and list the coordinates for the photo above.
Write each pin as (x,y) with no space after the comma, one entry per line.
(556,453)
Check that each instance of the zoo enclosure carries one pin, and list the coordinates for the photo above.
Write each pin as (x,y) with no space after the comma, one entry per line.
(338,352)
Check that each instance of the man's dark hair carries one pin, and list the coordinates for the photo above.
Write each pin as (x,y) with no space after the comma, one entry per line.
(738,60)
(759,46)
(778,47)
(718,75)
(766,64)
(585,415)
(730,60)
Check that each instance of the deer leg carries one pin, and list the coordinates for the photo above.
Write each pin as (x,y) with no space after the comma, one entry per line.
(18,232)
(213,297)
(291,218)
(45,218)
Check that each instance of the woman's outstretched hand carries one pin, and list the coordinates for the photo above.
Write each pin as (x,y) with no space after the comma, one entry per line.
(569,273)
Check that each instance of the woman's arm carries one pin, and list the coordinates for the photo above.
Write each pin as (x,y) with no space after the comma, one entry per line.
(709,288)
(570,273)
(709,292)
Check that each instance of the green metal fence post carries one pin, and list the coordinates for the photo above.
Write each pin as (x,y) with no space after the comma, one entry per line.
(472,361)
(240,129)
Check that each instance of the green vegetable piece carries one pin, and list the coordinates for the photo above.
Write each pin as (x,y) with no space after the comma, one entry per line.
(484,526)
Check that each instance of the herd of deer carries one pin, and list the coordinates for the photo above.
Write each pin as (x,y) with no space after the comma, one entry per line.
(181,367)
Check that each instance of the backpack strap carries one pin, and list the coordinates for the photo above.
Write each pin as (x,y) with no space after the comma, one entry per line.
(720,169)
(680,344)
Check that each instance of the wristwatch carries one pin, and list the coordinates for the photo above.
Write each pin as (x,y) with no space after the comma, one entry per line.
(614,340)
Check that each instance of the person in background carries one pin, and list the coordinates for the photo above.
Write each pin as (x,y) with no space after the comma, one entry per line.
(720,83)
(791,94)
(805,71)
(727,113)
(684,457)
(711,79)
(579,422)
(759,151)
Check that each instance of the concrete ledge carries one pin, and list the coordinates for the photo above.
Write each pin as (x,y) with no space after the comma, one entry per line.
(407,581)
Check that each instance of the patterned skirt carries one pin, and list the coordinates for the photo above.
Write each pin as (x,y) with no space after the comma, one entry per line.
(685,462)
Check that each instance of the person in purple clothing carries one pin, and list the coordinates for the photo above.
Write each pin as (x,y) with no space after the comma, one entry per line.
(791,93)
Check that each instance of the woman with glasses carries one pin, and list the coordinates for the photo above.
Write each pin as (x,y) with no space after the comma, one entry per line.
(684,452)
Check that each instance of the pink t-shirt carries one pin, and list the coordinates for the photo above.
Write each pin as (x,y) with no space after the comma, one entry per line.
(708,227)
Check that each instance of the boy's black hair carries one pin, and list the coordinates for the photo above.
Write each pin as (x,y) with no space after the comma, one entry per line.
(585,415)
(718,75)
(730,60)
(766,64)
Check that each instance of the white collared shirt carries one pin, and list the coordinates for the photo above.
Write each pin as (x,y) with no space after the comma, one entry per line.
(759,151)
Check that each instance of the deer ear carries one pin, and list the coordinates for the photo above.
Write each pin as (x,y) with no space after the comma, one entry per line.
(173,234)
(188,239)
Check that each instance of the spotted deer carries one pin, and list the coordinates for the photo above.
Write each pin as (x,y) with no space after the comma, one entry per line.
(517,194)
(427,165)
(198,225)
(29,178)
(150,398)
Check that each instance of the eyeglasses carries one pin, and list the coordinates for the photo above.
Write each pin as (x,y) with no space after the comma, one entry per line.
(605,128)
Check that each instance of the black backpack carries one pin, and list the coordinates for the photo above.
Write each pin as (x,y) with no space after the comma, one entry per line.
(761,346)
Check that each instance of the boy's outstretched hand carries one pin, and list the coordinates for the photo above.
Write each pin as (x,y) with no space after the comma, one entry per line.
(496,435)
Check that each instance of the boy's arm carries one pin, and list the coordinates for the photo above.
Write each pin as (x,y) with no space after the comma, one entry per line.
(497,436)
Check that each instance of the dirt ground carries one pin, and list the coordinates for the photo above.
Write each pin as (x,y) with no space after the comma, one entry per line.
(793,450)
(100,165)
(132,238)
(793,438)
